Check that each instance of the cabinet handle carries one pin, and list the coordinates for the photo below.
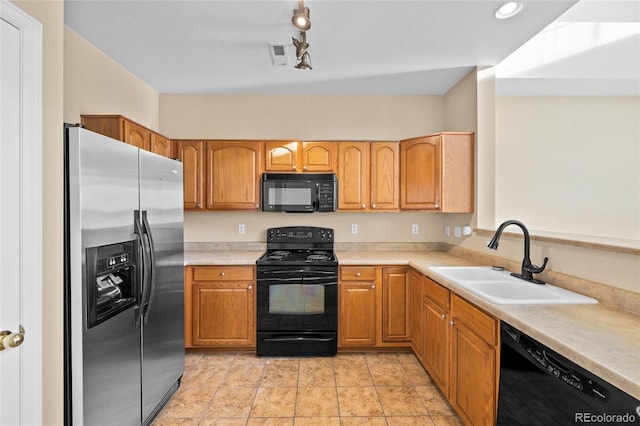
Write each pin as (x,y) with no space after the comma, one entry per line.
(295,167)
(452,322)
(443,316)
(304,167)
(257,206)
(364,206)
(198,206)
(373,286)
(358,274)
(373,206)
(222,274)
(250,287)
(437,206)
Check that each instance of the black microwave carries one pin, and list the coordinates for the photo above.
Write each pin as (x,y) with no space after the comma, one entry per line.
(299,192)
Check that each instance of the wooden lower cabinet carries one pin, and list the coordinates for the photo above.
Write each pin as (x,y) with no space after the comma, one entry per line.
(395,305)
(474,375)
(357,300)
(436,353)
(222,306)
(373,307)
(416,316)
(459,350)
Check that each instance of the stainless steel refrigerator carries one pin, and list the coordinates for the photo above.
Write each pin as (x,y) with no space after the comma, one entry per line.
(124,281)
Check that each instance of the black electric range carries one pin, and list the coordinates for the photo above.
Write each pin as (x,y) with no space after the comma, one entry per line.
(297,293)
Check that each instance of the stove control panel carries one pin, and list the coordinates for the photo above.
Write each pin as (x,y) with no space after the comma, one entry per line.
(299,234)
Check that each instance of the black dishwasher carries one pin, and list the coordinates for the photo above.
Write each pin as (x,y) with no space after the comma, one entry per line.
(540,387)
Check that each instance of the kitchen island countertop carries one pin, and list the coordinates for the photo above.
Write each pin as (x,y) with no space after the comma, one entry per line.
(600,338)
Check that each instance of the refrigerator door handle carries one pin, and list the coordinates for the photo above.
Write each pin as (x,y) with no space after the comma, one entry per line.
(151,280)
(140,271)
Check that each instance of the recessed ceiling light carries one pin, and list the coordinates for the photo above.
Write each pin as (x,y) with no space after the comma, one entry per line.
(509,9)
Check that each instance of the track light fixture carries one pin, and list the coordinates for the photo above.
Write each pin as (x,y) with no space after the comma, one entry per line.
(301,19)
(304,60)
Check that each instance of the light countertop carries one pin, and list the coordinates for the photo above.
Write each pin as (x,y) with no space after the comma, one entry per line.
(600,338)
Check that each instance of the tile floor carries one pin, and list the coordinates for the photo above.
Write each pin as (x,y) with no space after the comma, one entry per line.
(349,389)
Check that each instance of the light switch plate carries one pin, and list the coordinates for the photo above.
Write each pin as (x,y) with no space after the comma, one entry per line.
(241,229)
(354,228)
(457,231)
(414,229)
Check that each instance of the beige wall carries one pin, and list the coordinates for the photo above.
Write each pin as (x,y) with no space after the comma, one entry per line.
(51,15)
(569,164)
(300,116)
(96,84)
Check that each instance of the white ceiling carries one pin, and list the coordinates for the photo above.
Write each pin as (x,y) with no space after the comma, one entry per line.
(356,46)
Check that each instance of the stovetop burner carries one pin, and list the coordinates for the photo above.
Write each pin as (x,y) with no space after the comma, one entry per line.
(299,245)
(294,257)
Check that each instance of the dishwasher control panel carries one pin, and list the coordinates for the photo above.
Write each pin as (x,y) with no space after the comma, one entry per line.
(559,367)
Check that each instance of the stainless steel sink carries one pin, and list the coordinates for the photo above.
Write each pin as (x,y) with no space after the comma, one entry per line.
(501,288)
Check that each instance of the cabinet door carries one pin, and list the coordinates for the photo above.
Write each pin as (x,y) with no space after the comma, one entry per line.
(385,176)
(395,305)
(318,157)
(357,316)
(233,175)
(281,156)
(416,316)
(458,172)
(436,343)
(191,153)
(474,376)
(161,145)
(108,125)
(136,135)
(420,173)
(353,176)
(473,379)
(223,314)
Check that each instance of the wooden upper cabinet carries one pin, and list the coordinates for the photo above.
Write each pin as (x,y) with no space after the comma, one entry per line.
(128,131)
(281,156)
(353,175)
(295,156)
(437,173)
(385,176)
(137,135)
(318,157)
(191,153)
(420,165)
(233,170)
(161,145)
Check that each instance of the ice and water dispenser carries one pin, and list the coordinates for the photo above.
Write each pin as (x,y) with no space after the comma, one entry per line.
(111,281)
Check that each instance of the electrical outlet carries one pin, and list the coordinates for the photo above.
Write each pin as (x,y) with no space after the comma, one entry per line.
(354,228)
(414,229)
(457,231)
(447,231)
(241,228)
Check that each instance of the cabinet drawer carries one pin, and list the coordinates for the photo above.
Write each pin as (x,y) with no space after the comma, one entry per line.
(438,294)
(481,323)
(223,273)
(358,273)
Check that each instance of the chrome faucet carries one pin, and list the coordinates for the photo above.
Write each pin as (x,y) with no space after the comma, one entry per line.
(528,269)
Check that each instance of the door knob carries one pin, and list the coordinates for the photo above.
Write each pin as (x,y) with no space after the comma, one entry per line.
(12,340)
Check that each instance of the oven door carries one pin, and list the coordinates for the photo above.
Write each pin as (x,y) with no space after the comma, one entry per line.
(297,299)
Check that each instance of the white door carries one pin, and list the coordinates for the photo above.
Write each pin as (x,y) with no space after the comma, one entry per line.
(20,217)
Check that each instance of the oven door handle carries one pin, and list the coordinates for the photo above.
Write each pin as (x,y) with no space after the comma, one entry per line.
(298,339)
(296,271)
